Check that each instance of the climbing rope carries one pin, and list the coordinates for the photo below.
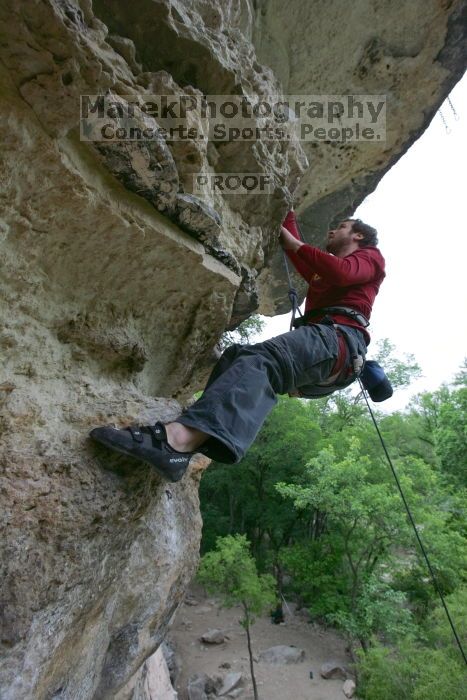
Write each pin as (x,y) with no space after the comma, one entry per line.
(453,110)
(412,522)
(443,118)
(292,293)
(446,127)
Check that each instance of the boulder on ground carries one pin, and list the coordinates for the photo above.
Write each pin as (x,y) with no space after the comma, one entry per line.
(203,609)
(235,693)
(231,682)
(213,637)
(282,654)
(189,600)
(171,659)
(333,669)
(304,614)
(196,687)
(349,688)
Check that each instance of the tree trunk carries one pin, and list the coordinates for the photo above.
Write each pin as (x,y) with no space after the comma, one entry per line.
(279,578)
(231,512)
(250,652)
(364,644)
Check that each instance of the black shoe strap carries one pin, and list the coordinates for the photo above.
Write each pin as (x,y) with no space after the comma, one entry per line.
(157,433)
(136,433)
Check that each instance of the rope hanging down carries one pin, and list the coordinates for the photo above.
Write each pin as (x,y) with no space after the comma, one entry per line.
(412,522)
(443,118)
(292,293)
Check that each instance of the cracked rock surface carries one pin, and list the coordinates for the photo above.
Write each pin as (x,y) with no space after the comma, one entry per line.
(117,280)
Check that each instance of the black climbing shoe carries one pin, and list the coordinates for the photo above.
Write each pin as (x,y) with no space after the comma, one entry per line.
(148,443)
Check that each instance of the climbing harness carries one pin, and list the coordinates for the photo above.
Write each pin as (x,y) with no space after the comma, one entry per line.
(341,310)
(377,385)
(414,526)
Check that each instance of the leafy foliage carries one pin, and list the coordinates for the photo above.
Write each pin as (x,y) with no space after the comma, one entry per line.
(364,517)
(231,571)
(451,436)
(412,672)
(244,499)
(401,372)
(244,333)
(419,669)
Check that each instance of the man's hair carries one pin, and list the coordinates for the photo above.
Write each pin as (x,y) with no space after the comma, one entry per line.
(370,234)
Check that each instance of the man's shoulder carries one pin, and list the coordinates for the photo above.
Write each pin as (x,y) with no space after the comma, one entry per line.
(370,252)
(372,249)
(371,255)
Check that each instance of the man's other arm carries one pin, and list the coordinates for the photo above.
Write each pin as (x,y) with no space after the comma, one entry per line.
(356,268)
(290,241)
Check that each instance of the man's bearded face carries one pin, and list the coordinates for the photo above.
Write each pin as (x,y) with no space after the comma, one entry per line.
(340,237)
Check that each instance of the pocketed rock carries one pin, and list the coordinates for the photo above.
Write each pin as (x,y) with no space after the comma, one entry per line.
(282,654)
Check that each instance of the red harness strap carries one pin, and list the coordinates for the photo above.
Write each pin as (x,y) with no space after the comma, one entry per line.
(342,356)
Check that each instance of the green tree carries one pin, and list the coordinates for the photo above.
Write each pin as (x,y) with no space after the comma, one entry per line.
(230,570)
(409,672)
(364,517)
(244,499)
(442,421)
(422,667)
(461,376)
(451,436)
(400,371)
(243,333)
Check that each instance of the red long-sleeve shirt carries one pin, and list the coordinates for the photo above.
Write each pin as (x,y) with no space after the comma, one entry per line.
(352,281)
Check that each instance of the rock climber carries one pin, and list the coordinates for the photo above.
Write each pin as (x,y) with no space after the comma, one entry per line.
(324,353)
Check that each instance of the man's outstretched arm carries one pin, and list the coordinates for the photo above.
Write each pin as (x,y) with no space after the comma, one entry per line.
(290,242)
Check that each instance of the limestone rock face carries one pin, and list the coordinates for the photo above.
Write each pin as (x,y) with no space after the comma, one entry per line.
(151,682)
(117,280)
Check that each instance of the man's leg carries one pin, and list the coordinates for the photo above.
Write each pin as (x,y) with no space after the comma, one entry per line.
(189,439)
(240,393)
(184,439)
(237,400)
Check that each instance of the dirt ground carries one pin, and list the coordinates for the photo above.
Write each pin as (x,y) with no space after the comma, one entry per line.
(285,682)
